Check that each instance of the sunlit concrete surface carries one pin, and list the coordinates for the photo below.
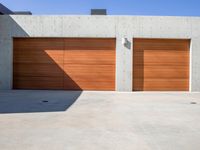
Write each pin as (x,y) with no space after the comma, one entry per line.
(60,120)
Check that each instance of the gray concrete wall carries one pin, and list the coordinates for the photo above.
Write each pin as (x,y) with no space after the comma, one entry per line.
(101,26)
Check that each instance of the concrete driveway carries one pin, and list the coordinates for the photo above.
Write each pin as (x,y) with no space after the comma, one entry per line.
(60,120)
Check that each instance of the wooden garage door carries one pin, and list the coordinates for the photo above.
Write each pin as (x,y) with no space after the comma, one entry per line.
(161,65)
(64,63)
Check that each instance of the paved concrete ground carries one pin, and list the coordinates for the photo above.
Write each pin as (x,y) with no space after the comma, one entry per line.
(60,120)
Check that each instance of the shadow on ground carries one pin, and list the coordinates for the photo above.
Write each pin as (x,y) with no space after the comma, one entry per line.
(36,101)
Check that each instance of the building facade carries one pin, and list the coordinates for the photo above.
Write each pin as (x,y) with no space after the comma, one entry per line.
(122,53)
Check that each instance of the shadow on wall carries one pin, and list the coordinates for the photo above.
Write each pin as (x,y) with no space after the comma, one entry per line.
(43,69)
(8,28)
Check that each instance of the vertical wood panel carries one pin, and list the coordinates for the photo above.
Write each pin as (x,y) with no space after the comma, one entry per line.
(90,63)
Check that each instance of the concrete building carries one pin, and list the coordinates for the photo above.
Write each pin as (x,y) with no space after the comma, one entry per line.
(122,53)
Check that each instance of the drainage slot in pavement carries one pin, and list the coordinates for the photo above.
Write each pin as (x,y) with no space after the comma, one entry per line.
(193,102)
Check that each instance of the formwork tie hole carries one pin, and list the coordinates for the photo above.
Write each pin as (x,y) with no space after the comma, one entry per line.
(45,101)
(193,103)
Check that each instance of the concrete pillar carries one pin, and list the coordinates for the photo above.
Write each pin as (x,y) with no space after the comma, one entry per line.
(124,64)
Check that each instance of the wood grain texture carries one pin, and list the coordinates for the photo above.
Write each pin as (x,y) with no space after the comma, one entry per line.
(161,65)
(38,63)
(64,63)
(90,63)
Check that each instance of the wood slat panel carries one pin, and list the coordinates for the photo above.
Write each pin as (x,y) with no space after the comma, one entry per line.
(90,63)
(36,56)
(90,73)
(107,86)
(161,65)
(103,57)
(161,57)
(159,71)
(36,69)
(161,84)
(164,44)
(38,63)
(64,63)
(39,83)
(40,50)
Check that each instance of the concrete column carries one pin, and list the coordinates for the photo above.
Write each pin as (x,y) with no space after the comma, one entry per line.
(195,65)
(124,64)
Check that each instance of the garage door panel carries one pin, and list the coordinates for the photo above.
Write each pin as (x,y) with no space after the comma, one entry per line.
(154,41)
(89,69)
(92,78)
(88,75)
(43,83)
(161,71)
(55,56)
(161,84)
(102,47)
(164,44)
(161,65)
(90,64)
(38,43)
(38,50)
(88,85)
(40,56)
(161,57)
(90,57)
(176,47)
(45,70)
(166,84)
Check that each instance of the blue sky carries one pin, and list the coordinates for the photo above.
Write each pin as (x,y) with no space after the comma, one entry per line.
(114,7)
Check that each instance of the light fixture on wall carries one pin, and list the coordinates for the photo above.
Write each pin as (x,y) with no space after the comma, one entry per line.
(124,41)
